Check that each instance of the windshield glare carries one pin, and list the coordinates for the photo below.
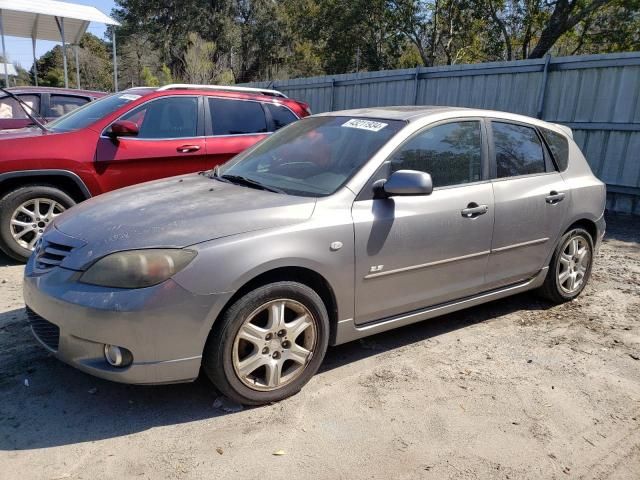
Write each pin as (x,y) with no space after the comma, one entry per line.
(93,111)
(314,156)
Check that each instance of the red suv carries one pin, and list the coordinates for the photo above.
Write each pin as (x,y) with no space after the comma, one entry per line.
(125,138)
(47,102)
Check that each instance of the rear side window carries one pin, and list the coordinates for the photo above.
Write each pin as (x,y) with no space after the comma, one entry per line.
(559,147)
(61,104)
(518,150)
(11,109)
(236,117)
(280,115)
(450,153)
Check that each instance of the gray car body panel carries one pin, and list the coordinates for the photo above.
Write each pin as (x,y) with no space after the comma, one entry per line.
(383,270)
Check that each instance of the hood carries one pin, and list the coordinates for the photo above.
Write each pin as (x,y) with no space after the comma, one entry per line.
(175,212)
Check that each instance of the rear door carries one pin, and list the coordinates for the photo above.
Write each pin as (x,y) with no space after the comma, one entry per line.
(531,202)
(417,251)
(171,142)
(233,125)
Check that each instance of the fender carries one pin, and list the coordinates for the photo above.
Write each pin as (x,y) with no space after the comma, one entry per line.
(45,173)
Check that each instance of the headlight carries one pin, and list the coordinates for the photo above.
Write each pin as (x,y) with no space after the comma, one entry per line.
(137,268)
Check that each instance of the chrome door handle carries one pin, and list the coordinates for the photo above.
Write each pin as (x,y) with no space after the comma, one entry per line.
(554,197)
(188,148)
(474,210)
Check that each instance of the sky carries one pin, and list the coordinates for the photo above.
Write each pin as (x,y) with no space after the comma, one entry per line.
(19,50)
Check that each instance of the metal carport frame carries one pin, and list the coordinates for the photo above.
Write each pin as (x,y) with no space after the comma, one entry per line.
(52,20)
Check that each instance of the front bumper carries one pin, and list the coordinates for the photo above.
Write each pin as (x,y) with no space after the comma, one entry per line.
(165,326)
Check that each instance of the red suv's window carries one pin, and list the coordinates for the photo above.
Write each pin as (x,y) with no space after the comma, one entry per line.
(236,117)
(11,109)
(61,104)
(280,115)
(169,117)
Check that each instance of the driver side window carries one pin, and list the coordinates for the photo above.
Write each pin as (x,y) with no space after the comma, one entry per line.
(451,153)
(170,117)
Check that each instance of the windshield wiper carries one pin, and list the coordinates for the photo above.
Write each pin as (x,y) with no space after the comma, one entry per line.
(248,182)
(26,109)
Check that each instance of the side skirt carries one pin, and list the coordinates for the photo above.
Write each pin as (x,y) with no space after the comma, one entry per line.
(347,330)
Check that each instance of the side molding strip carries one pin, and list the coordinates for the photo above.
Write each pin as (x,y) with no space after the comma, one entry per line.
(425,265)
(523,244)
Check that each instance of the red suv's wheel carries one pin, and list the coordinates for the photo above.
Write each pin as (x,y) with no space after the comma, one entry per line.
(25,213)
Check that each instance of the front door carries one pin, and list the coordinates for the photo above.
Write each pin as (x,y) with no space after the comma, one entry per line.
(531,203)
(414,252)
(170,142)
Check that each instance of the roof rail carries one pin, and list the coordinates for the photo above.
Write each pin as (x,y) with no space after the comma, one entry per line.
(263,91)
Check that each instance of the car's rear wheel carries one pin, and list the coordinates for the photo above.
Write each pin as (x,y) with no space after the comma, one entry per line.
(570,267)
(25,213)
(268,344)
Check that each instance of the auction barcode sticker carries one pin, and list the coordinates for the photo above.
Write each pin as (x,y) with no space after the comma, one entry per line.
(365,124)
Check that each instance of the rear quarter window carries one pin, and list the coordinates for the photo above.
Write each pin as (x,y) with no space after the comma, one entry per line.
(559,146)
(280,115)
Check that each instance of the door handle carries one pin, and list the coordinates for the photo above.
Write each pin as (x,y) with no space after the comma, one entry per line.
(474,210)
(554,197)
(188,148)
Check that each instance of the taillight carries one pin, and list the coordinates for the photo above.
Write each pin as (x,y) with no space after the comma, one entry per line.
(306,108)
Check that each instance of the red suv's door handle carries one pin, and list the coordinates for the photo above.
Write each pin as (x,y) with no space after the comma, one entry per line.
(188,148)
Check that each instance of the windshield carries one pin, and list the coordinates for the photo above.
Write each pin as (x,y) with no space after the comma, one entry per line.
(314,156)
(87,114)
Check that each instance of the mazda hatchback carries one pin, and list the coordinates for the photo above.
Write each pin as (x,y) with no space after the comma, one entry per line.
(336,227)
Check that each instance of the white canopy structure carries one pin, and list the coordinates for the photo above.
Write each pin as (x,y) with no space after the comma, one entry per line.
(52,20)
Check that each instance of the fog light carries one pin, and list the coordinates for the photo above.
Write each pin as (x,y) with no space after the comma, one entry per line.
(117,356)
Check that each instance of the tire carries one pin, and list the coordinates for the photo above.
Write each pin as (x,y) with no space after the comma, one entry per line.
(257,381)
(557,286)
(27,196)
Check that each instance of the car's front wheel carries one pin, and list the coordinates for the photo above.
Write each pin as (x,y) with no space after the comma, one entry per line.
(268,344)
(570,267)
(24,214)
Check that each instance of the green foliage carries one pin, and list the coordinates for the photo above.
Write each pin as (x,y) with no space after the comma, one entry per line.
(234,41)
(148,79)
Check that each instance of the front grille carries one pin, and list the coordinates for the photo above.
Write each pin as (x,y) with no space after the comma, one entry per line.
(45,331)
(50,254)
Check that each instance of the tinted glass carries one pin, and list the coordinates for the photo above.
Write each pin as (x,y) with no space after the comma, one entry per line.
(91,112)
(450,153)
(235,117)
(281,116)
(518,150)
(314,156)
(11,109)
(559,147)
(170,117)
(61,104)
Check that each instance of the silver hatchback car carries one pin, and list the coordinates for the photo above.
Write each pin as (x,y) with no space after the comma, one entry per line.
(336,227)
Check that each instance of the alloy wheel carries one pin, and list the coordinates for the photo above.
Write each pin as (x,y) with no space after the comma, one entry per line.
(274,344)
(30,219)
(574,262)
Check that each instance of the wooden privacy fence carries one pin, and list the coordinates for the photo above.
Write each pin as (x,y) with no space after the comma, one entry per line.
(598,96)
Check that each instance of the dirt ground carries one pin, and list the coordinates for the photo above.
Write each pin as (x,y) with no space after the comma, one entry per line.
(513,389)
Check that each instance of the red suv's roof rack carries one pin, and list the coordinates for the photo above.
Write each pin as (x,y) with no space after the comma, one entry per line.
(263,91)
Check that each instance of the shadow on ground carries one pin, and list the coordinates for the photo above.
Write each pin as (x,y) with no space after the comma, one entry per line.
(62,406)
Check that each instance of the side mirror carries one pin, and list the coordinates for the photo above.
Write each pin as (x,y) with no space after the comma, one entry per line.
(123,128)
(404,183)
